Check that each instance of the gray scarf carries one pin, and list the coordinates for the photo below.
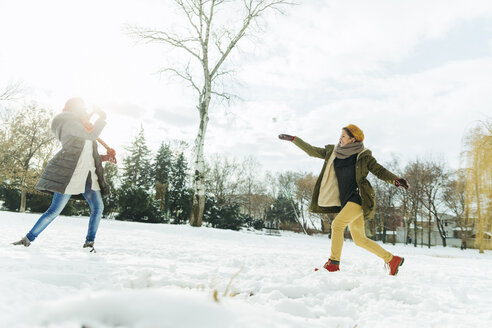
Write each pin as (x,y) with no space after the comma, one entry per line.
(348,150)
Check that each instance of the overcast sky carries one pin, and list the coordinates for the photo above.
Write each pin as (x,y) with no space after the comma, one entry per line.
(413,75)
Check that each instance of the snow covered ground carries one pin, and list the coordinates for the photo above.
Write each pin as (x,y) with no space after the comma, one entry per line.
(147,275)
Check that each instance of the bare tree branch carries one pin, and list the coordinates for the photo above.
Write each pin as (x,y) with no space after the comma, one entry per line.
(253,11)
(217,42)
(222,73)
(150,35)
(184,75)
(225,95)
(190,10)
(11,91)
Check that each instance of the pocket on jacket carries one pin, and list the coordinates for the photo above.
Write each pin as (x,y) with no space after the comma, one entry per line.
(367,193)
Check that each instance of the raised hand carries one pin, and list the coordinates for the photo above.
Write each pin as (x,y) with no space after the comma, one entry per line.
(286,137)
(400,182)
(110,156)
(112,160)
(88,126)
(97,110)
(111,152)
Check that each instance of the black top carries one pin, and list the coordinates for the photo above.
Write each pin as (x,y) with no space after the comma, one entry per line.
(347,185)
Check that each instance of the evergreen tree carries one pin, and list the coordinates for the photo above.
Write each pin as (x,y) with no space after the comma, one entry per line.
(136,204)
(11,198)
(282,211)
(161,174)
(111,177)
(163,163)
(180,196)
(135,200)
(137,167)
(226,216)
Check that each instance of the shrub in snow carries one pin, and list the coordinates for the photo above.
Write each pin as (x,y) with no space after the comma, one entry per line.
(224,216)
(136,204)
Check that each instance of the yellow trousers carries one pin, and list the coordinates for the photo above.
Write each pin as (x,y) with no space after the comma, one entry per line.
(351,215)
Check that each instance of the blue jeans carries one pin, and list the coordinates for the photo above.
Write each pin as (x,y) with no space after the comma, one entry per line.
(58,203)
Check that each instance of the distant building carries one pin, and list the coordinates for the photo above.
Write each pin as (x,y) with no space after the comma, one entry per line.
(455,234)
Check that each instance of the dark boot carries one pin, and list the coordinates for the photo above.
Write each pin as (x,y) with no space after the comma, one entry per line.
(24,242)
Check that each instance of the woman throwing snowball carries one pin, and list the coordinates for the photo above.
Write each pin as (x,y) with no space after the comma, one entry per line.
(76,170)
(342,187)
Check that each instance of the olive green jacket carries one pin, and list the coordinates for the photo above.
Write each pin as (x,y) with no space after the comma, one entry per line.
(365,163)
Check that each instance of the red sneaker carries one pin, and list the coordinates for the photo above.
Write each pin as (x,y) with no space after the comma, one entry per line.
(395,263)
(332,266)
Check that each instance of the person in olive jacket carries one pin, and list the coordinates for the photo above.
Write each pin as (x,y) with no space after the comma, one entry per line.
(76,170)
(342,187)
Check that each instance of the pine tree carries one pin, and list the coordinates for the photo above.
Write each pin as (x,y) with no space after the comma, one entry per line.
(162,164)
(137,167)
(161,174)
(110,176)
(179,193)
(135,200)
(282,211)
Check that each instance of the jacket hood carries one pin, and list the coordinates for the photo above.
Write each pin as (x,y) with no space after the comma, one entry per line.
(59,120)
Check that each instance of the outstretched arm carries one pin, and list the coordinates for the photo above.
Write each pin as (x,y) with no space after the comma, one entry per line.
(383,174)
(380,172)
(310,150)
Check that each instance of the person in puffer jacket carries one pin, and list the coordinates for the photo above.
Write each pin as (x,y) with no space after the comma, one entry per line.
(76,171)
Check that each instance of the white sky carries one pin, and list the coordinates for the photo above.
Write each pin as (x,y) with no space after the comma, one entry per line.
(414,75)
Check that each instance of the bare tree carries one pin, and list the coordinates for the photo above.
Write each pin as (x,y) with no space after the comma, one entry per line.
(386,198)
(26,144)
(252,192)
(435,177)
(224,179)
(304,193)
(288,187)
(11,91)
(413,196)
(207,42)
(454,196)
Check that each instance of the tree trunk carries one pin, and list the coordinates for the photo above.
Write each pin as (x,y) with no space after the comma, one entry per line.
(312,222)
(405,222)
(479,213)
(415,231)
(429,232)
(199,178)
(422,230)
(22,208)
(440,227)
(297,216)
(384,234)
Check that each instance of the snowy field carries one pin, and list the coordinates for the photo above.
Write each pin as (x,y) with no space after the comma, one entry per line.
(165,276)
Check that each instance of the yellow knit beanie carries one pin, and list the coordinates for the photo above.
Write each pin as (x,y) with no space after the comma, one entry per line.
(356,132)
